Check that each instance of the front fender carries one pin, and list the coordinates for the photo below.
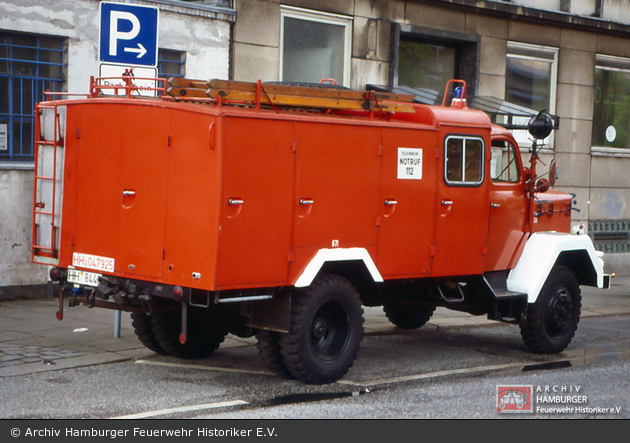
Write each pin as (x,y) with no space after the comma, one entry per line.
(544,250)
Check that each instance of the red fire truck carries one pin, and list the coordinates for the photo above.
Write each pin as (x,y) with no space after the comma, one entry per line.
(280,210)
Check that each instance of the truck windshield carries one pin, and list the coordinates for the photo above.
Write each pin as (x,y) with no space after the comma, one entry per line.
(504,165)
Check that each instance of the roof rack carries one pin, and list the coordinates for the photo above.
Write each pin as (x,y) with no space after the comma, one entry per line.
(315,97)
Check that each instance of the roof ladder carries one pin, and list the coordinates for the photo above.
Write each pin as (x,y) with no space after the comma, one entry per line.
(276,95)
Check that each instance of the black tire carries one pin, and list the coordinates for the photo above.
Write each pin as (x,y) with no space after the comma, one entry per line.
(407,316)
(141,323)
(552,320)
(269,352)
(325,333)
(203,336)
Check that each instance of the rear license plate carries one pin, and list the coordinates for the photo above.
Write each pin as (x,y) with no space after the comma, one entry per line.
(83,277)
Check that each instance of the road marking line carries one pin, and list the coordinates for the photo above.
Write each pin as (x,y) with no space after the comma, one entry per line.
(431,375)
(581,358)
(204,368)
(182,409)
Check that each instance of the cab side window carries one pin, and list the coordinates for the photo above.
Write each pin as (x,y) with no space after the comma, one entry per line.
(504,164)
(463,161)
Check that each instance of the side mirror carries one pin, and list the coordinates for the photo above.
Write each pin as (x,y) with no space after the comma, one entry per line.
(553,172)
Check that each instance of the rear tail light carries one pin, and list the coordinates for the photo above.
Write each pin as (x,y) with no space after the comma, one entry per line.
(178,293)
(57,274)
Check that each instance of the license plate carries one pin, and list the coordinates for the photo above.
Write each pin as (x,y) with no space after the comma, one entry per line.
(83,277)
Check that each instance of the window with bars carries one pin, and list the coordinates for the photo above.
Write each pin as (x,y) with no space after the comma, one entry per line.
(29,66)
(171,63)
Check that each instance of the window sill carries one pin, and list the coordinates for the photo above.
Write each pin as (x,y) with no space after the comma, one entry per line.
(597,151)
(18,166)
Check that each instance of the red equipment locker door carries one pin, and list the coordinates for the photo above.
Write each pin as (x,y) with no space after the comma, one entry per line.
(462,207)
(407,222)
(337,184)
(120,184)
(142,191)
(257,202)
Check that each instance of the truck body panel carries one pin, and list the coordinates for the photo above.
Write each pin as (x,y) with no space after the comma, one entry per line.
(223,199)
(240,202)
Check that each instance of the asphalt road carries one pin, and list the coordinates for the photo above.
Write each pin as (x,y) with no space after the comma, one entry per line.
(430,373)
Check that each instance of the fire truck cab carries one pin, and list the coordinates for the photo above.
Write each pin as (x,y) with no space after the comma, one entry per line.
(280,210)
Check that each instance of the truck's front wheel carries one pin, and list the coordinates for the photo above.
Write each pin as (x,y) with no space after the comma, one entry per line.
(553,319)
(325,333)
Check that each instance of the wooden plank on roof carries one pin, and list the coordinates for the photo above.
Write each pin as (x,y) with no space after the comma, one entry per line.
(306,101)
(312,91)
(187,83)
(177,91)
(183,87)
(290,95)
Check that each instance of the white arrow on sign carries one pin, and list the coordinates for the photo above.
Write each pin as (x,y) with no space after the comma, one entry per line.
(140,50)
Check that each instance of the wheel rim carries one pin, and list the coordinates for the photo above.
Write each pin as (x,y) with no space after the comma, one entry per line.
(559,312)
(330,331)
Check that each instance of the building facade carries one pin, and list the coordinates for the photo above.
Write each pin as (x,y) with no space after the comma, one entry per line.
(569,57)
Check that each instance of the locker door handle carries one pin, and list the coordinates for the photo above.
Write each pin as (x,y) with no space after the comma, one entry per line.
(235,201)
(446,202)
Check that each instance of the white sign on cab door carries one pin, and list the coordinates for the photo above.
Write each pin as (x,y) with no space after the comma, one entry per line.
(410,163)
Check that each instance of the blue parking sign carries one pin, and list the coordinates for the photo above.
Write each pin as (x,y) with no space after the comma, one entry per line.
(128,34)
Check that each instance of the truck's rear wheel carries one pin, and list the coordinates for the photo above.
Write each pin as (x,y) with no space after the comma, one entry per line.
(553,319)
(325,333)
(141,323)
(407,316)
(269,351)
(204,332)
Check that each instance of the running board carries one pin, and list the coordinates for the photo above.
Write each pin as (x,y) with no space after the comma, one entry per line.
(508,306)
(496,284)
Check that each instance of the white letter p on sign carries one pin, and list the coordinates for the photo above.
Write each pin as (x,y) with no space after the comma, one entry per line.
(115,34)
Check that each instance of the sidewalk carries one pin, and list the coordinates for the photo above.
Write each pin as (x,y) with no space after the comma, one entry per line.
(32,339)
